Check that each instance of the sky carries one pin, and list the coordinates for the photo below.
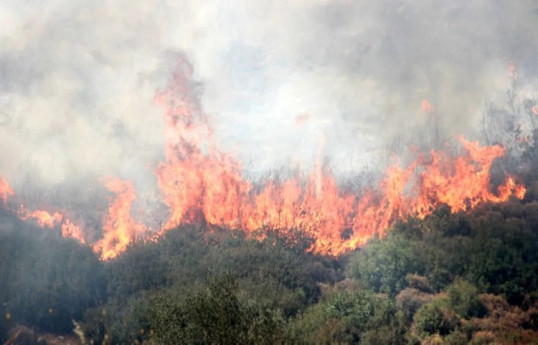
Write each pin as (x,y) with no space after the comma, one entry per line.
(282,82)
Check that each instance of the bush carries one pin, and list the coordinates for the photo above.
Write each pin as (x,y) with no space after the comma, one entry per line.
(214,316)
(433,319)
(463,299)
(47,281)
(350,317)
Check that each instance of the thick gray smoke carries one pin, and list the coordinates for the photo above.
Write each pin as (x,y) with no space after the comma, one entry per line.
(283,81)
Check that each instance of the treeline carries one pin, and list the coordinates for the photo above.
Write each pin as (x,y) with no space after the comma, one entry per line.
(447,279)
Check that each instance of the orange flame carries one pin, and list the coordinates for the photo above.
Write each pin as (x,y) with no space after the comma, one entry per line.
(119,229)
(426,106)
(208,186)
(200,184)
(5,190)
(43,218)
(52,220)
(70,230)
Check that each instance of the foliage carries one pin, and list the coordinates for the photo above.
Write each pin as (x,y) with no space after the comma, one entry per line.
(411,299)
(433,318)
(445,279)
(46,281)
(350,317)
(463,299)
(214,315)
(277,273)
(383,265)
(494,248)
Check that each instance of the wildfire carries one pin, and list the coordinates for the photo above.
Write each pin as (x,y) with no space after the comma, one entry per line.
(200,184)
(52,220)
(208,186)
(426,106)
(43,218)
(119,228)
(5,190)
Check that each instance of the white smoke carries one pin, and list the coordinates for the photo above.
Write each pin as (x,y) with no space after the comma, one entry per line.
(77,78)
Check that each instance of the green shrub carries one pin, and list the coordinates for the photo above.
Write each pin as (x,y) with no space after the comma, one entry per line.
(463,299)
(434,319)
(214,316)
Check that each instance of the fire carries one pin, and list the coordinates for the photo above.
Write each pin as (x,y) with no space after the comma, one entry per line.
(5,190)
(426,106)
(205,185)
(43,218)
(70,230)
(52,220)
(338,220)
(119,229)
(200,184)
(534,110)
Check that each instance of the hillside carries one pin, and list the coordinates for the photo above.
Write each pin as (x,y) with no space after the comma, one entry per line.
(449,278)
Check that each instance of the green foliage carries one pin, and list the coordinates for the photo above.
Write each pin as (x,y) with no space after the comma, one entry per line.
(494,248)
(214,315)
(383,265)
(433,318)
(141,268)
(425,275)
(277,273)
(463,299)
(504,258)
(350,317)
(46,281)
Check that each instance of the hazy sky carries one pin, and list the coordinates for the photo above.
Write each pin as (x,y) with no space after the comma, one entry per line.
(280,81)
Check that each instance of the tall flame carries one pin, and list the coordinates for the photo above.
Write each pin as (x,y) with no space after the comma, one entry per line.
(5,190)
(207,185)
(200,184)
(119,228)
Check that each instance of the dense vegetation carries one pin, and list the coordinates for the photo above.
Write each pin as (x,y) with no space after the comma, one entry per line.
(449,278)
(446,279)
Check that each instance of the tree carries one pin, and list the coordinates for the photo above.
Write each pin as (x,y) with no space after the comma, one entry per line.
(214,316)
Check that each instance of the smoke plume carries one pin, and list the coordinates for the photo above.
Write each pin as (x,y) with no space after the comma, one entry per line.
(282,82)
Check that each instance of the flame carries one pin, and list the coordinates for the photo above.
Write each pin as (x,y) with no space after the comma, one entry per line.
(534,110)
(53,220)
(43,218)
(200,184)
(70,230)
(426,107)
(119,229)
(338,220)
(5,190)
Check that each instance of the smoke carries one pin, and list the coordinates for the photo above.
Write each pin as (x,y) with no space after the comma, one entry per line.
(282,82)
